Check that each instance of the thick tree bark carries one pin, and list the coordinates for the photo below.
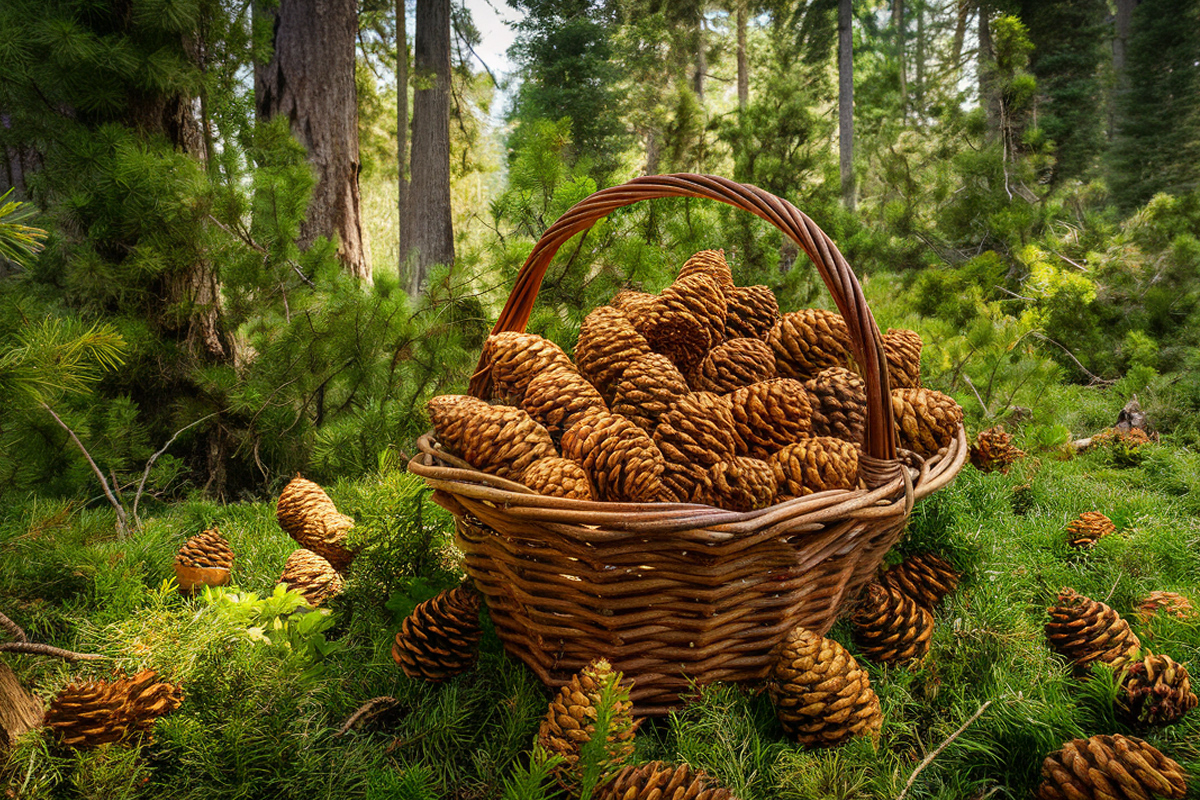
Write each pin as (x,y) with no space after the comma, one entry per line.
(743,70)
(846,102)
(960,33)
(310,79)
(701,55)
(19,711)
(401,124)
(427,235)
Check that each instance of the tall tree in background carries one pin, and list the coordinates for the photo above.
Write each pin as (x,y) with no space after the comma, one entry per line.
(898,26)
(846,102)
(402,166)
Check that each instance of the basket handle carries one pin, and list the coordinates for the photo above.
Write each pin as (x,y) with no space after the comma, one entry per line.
(866,344)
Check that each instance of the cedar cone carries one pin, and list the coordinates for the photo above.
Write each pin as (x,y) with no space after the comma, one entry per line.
(751,312)
(1085,631)
(101,712)
(1168,602)
(814,464)
(926,420)
(515,359)
(570,721)
(993,450)
(902,349)
(1110,768)
(312,576)
(621,461)
(740,484)
(659,781)
(924,577)
(647,389)
(307,514)
(1156,691)
(711,263)
(440,638)
(839,405)
(1089,528)
(806,342)
(769,416)
(608,343)
(632,303)
(556,397)
(890,627)
(821,695)
(500,440)
(204,560)
(686,321)
(735,363)
(558,477)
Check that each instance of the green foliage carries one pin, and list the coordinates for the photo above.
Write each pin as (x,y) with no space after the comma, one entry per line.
(18,242)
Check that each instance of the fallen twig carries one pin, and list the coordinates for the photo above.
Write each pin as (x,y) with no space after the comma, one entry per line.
(14,630)
(39,649)
(368,710)
(929,758)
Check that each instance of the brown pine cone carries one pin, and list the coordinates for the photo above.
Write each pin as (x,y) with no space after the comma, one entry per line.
(440,638)
(839,405)
(649,387)
(994,451)
(1110,768)
(1089,528)
(1171,603)
(686,322)
(659,781)
(902,349)
(821,696)
(807,342)
(711,263)
(557,396)
(1085,632)
(515,359)
(90,714)
(686,483)
(693,435)
(558,477)
(621,461)
(770,415)
(924,577)
(1156,691)
(814,464)
(741,484)
(734,363)
(307,514)
(632,303)
(500,440)
(926,420)
(890,627)
(312,576)
(608,343)
(206,559)
(751,312)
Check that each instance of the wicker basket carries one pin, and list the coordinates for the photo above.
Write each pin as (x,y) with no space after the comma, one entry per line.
(677,595)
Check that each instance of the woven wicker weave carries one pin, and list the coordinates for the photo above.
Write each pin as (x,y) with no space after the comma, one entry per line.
(679,594)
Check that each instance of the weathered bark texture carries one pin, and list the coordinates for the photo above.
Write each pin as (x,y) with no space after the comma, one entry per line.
(19,711)
(743,70)
(846,102)
(989,97)
(401,124)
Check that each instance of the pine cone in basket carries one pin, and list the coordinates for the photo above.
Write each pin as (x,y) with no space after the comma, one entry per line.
(557,396)
(890,627)
(621,461)
(1110,768)
(770,415)
(925,577)
(926,420)
(821,696)
(632,303)
(693,435)
(814,464)
(1171,603)
(740,484)
(515,359)
(839,405)
(1089,528)
(902,349)
(711,263)
(649,387)
(751,312)
(686,322)
(558,477)
(100,712)
(206,559)
(686,483)
(1086,631)
(440,638)
(608,343)
(734,363)
(312,576)
(659,781)
(993,450)
(1156,691)
(307,514)
(500,440)
(570,721)
(809,341)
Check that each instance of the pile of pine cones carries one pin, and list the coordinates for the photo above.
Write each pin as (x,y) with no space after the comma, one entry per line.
(704,393)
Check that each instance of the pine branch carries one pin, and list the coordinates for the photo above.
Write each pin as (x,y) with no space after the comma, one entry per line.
(146,473)
(930,758)
(369,710)
(38,649)
(122,517)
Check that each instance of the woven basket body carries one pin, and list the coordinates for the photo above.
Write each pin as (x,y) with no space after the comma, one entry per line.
(673,594)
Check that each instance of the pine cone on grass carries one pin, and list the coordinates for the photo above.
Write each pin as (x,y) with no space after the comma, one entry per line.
(648,388)
(1171,603)
(814,464)
(608,343)
(102,712)
(734,363)
(558,477)
(807,342)
(751,312)
(838,398)
(307,514)
(517,358)
(500,440)
(440,638)
(770,415)
(1156,690)
(926,421)
(1089,528)
(312,576)
(206,559)
(902,349)
(1085,632)
(1110,768)
(621,461)
(925,577)
(659,781)
(890,627)
(993,451)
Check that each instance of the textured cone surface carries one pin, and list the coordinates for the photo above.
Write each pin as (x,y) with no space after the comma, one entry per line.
(558,477)
(440,638)
(735,363)
(557,396)
(570,721)
(926,420)
(686,482)
(500,440)
(208,549)
(1167,603)
(711,263)
(770,415)
(312,576)
(1110,768)
(307,514)
(890,627)
(646,391)
(621,461)
(697,429)
(1089,528)
(632,303)
(608,343)
(100,712)
(517,358)
(809,341)
(993,451)
(902,348)
(659,781)
(839,405)
(821,695)
(1085,631)
(742,484)
(686,322)
(925,577)
(1156,691)
(814,465)
(751,312)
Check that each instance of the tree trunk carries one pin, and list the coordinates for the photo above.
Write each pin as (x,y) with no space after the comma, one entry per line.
(401,126)
(898,22)
(310,79)
(19,711)
(960,33)
(989,98)
(428,239)
(701,66)
(1120,46)
(743,70)
(846,102)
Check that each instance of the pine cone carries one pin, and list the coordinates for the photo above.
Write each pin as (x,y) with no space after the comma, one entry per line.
(821,695)
(204,560)
(632,303)
(926,420)
(570,722)
(902,348)
(890,627)
(1156,691)
(312,576)
(307,514)
(993,451)
(517,358)
(1168,602)
(807,342)
(697,429)
(711,263)
(686,483)
(557,396)
(1085,631)
(440,638)
(735,363)
(659,781)
(101,712)
(647,389)
(924,577)
(686,322)
(751,312)
(1089,528)
(1110,768)
(499,440)
(741,484)
(608,343)
(558,477)
(621,461)
(769,416)
(839,405)
(814,464)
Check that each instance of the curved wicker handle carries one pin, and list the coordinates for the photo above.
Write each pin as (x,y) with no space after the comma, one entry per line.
(865,342)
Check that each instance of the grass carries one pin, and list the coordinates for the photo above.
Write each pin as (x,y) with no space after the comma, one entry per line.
(260,714)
